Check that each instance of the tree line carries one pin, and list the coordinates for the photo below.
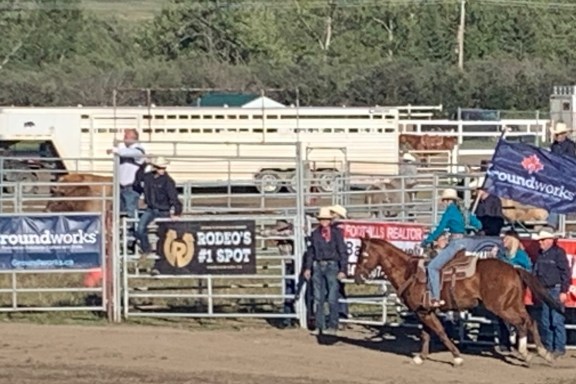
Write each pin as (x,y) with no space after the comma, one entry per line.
(335,52)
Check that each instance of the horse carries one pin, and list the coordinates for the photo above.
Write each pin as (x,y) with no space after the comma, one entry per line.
(465,282)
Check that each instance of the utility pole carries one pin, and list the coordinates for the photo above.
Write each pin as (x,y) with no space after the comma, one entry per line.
(461,29)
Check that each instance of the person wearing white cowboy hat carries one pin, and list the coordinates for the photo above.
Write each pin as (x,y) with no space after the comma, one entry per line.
(562,145)
(161,197)
(454,222)
(553,271)
(326,263)
(488,210)
(408,169)
(339,212)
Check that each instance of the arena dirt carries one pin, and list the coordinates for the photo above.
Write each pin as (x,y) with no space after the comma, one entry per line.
(124,354)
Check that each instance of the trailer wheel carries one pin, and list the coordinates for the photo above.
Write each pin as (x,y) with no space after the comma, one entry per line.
(324,180)
(268,181)
(290,182)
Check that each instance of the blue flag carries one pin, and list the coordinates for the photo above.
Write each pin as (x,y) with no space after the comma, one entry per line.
(533,176)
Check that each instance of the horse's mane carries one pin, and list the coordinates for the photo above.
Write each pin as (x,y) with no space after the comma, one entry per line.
(411,262)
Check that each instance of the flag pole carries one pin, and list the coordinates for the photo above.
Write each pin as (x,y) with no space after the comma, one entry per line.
(502,137)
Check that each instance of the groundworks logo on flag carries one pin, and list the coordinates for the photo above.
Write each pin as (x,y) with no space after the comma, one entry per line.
(533,166)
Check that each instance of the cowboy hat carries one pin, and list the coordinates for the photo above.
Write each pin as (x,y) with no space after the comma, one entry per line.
(560,128)
(408,157)
(160,162)
(324,214)
(449,194)
(339,210)
(477,184)
(543,235)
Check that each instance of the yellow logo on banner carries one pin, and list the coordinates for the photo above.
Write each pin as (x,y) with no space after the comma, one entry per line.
(179,252)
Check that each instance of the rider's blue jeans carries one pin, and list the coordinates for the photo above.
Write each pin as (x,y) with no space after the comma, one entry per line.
(435,266)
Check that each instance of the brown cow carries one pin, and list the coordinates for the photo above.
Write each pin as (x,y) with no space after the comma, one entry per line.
(516,212)
(99,187)
(427,142)
(93,182)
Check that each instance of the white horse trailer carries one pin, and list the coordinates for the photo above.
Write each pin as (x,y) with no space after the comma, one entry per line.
(217,144)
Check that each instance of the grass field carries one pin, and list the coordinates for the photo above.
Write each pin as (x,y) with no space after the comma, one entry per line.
(132,10)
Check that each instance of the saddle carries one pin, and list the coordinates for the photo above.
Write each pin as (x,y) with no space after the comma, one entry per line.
(459,268)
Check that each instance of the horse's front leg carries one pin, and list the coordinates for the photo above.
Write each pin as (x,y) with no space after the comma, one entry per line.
(425,351)
(432,322)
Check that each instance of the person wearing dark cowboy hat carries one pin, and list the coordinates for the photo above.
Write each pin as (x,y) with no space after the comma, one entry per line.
(488,210)
(326,264)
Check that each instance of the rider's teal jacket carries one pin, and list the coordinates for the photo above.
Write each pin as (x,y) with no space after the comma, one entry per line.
(520,259)
(452,221)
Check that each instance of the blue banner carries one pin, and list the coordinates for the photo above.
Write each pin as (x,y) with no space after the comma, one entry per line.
(533,176)
(50,242)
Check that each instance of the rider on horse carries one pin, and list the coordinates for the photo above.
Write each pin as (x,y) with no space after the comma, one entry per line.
(454,221)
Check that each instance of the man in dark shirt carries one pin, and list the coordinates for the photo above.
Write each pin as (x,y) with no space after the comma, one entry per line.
(553,271)
(328,259)
(161,196)
(562,145)
(489,210)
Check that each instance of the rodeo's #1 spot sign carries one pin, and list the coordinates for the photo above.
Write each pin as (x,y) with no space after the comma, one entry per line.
(207,247)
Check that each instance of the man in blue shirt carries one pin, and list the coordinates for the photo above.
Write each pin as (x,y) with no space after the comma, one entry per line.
(562,145)
(553,271)
(454,222)
(326,264)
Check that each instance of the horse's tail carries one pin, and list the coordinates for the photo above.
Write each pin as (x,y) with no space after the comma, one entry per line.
(538,290)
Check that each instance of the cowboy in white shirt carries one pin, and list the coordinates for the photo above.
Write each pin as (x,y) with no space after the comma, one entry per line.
(132,157)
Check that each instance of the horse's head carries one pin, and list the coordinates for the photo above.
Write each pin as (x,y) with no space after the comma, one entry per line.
(367,260)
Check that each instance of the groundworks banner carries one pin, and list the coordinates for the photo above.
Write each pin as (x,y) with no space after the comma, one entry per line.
(50,242)
(533,176)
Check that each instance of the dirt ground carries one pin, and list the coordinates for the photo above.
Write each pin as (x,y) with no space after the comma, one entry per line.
(126,354)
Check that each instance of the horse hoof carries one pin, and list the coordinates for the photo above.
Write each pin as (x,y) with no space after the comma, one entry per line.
(417,360)
(549,357)
(528,358)
(458,361)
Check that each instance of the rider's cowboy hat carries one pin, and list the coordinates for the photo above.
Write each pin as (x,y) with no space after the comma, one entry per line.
(160,162)
(339,210)
(477,184)
(324,214)
(408,157)
(543,235)
(560,128)
(449,194)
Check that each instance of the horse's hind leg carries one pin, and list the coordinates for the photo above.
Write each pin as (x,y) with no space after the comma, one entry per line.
(430,320)
(520,319)
(540,348)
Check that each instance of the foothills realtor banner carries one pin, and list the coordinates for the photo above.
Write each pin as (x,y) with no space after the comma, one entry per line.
(207,247)
(50,242)
(533,176)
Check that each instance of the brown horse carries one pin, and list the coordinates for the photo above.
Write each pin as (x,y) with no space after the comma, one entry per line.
(499,286)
